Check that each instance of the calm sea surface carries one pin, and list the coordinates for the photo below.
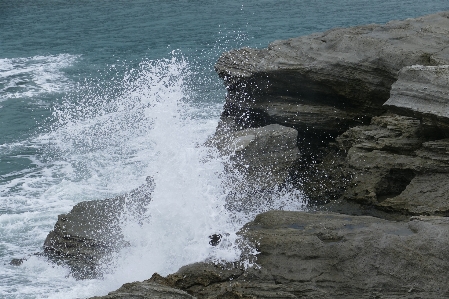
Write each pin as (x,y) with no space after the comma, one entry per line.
(97,95)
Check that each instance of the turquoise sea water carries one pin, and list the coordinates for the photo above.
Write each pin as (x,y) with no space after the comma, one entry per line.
(97,95)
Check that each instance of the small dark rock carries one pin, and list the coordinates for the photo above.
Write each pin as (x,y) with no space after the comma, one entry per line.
(215,239)
(16,262)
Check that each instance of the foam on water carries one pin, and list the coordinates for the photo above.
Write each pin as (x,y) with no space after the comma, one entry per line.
(105,140)
(31,76)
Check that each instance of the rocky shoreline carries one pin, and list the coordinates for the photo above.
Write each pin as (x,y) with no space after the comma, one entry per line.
(357,118)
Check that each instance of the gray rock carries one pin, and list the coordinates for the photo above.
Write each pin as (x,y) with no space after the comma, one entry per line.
(426,194)
(145,290)
(326,82)
(435,150)
(422,92)
(392,166)
(327,255)
(342,256)
(84,237)
(17,262)
(263,156)
(332,87)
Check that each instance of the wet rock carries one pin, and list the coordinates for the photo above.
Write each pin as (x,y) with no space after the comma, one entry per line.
(358,141)
(195,277)
(264,156)
(328,255)
(145,290)
(17,262)
(215,239)
(425,194)
(393,166)
(84,237)
(339,256)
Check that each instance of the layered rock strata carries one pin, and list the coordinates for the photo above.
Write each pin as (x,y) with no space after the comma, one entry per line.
(399,163)
(422,92)
(370,104)
(324,83)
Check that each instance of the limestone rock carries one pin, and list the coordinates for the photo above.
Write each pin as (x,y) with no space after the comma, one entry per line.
(395,167)
(328,255)
(422,92)
(332,87)
(263,156)
(425,194)
(341,256)
(145,290)
(326,82)
(91,230)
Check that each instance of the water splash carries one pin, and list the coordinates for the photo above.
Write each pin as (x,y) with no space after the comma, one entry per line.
(106,139)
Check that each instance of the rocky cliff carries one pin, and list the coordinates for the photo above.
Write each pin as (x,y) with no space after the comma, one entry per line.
(368,107)
(370,104)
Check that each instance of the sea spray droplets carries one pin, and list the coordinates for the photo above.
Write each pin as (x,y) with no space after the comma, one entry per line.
(106,138)
(187,203)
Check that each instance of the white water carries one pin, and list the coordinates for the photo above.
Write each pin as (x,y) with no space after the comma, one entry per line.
(107,139)
(31,76)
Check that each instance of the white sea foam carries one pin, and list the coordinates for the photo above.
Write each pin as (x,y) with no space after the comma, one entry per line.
(105,141)
(32,76)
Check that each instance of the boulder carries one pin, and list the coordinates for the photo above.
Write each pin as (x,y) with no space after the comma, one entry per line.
(260,157)
(84,237)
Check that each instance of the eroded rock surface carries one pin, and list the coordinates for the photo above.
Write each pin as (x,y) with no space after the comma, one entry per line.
(324,83)
(422,92)
(327,255)
(370,104)
(145,290)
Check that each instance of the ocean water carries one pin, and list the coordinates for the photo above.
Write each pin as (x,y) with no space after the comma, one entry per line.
(97,95)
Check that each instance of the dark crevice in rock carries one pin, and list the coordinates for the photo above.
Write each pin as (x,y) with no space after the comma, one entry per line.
(393,183)
(245,117)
